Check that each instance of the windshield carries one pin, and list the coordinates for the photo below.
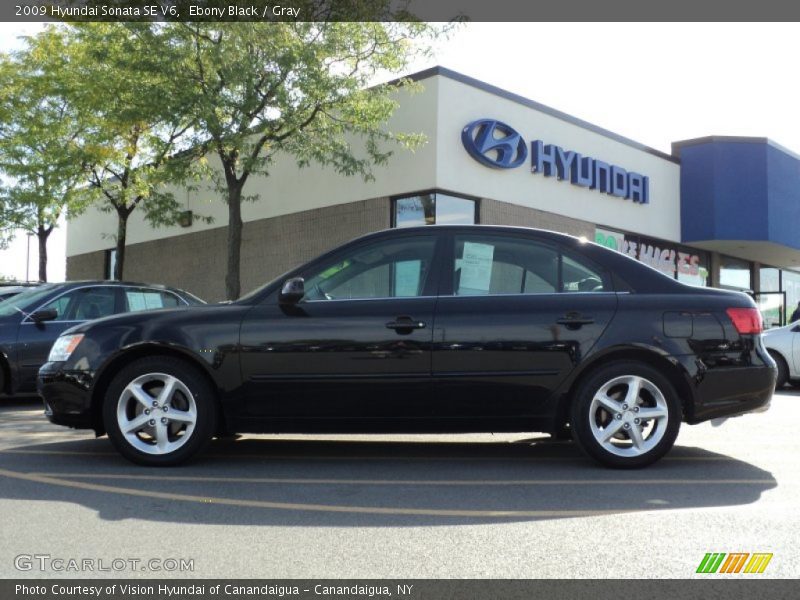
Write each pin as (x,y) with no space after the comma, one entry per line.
(26,301)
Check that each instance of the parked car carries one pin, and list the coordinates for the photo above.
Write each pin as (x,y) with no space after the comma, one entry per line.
(33,319)
(783,345)
(430,329)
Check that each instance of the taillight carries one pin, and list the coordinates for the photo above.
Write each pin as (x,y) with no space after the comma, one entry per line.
(746,320)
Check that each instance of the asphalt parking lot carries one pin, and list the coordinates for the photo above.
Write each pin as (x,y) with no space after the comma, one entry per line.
(510,506)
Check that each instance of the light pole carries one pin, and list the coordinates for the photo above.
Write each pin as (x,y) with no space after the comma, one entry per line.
(28,258)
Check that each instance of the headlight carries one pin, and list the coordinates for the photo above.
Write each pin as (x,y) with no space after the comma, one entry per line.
(64,347)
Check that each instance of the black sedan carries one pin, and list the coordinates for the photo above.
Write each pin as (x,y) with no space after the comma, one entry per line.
(32,320)
(432,329)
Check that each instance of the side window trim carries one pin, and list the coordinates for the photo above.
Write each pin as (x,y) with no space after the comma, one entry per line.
(119,289)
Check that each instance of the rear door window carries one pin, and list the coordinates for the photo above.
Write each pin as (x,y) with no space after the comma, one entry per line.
(487,265)
(498,265)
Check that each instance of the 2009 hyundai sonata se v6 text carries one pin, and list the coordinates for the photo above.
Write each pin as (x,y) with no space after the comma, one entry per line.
(431,329)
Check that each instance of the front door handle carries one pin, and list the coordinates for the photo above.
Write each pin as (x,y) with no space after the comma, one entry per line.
(575,320)
(405,324)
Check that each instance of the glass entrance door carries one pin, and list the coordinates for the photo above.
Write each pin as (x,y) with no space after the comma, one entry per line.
(773,308)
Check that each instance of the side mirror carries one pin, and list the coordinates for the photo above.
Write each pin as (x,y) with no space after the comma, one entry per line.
(41,316)
(292,291)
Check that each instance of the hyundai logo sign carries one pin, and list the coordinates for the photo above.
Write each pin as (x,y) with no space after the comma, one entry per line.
(499,146)
(494,144)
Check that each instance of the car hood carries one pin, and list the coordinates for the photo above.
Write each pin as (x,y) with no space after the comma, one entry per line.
(778,331)
(159,315)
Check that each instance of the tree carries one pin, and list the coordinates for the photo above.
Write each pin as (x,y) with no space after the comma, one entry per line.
(300,89)
(136,140)
(39,154)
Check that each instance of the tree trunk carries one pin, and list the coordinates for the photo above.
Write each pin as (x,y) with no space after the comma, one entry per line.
(233,286)
(42,234)
(122,231)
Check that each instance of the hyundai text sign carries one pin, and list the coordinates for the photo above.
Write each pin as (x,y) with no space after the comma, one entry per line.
(497,145)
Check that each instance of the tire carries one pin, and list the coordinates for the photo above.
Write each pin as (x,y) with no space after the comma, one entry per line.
(603,402)
(783,370)
(161,434)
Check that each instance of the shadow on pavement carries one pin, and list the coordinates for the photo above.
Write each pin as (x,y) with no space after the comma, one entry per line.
(346,483)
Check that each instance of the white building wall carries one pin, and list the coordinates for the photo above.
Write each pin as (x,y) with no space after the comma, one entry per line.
(460,104)
(289,189)
(440,111)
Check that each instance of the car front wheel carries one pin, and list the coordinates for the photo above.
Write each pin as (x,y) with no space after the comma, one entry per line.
(626,415)
(159,411)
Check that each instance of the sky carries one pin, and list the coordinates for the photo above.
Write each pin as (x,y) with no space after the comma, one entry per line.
(652,82)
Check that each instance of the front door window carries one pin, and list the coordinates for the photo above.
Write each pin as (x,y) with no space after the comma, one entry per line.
(396,268)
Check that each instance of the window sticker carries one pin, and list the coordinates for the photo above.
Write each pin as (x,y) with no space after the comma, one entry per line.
(136,301)
(407,277)
(144,300)
(476,269)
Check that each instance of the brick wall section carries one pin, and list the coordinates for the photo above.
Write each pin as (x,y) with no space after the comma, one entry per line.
(504,213)
(196,261)
(85,266)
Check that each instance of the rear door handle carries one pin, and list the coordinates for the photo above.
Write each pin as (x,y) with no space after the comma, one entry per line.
(575,320)
(405,323)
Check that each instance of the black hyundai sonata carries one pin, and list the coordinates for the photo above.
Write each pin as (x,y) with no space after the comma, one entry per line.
(432,329)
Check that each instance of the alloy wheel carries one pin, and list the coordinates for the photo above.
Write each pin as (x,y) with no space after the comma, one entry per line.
(628,416)
(156,413)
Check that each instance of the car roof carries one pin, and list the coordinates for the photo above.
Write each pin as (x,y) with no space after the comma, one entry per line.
(66,285)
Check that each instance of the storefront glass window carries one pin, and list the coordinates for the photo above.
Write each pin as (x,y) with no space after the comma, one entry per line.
(679,262)
(693,267)
(791,285)
(769,279)
(434,208)
(734,273)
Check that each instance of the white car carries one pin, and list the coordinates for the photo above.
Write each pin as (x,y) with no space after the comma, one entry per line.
(783,344)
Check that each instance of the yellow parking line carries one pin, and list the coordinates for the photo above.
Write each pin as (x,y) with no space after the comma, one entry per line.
(374,510)
(412,482)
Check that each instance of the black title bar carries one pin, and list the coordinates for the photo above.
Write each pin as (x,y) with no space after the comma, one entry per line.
(398,10)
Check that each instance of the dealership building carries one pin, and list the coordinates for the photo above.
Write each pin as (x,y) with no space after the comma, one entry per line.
(717,211)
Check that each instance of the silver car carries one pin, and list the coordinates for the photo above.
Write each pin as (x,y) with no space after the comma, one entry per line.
(783,344)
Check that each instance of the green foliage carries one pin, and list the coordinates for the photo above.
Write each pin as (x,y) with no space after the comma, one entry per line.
(117,114)
(39,130)
(260,90)
(136,122)
(298,88)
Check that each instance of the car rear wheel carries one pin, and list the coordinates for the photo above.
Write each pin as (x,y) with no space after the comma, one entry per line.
(626,415)
(159,411)
(783,370)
